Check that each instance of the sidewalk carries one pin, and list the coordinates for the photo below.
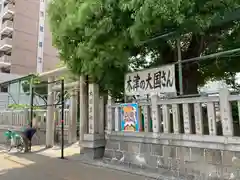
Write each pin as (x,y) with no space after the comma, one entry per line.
(37,166)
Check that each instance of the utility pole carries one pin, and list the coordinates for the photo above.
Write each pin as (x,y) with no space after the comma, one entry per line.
(31,86)
(180,75)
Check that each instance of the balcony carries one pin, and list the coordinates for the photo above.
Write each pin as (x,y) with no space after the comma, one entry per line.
(5,59)
(8,11)
(6,44)
(7,27)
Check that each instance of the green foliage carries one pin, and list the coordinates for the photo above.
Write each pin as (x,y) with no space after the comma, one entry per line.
(61,64)
(103,38)
(68,77)
(40,91)
(21,106)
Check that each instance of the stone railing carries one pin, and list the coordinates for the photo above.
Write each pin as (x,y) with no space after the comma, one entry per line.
(17,119)
(66,118)
(21,117)
(195,136)
(198,115)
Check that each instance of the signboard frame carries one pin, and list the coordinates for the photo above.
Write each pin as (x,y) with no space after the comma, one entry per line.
(156,80)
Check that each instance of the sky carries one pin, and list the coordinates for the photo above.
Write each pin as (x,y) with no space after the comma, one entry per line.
(215,86)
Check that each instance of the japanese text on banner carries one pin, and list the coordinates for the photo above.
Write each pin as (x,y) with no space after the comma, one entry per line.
(156,80)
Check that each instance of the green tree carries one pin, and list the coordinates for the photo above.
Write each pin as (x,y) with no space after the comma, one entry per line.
(40,91)
(103,39)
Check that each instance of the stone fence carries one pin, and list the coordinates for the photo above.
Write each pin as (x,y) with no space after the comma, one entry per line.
(194,136)
(17,119)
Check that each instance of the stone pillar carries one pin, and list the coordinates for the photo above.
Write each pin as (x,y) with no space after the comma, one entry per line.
(198,118)
(26,117)
(101,115)
(50,109)
(166,118)
(56,123)
(156,118)
(187,123)
(94,142)
(83,109)
(55,111)
(147,118)
(176,118)
(110,116)
(117,118)
(226,113)
(72,130)
(93,108)
(211,118)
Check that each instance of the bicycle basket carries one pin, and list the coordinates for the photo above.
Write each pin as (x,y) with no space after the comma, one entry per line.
(7,134)
(17,136)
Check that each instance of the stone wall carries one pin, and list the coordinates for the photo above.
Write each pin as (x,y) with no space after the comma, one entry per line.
(159,154)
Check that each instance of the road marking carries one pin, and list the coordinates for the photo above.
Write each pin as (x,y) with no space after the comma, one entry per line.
(6,164)
(3,171)
(20,161)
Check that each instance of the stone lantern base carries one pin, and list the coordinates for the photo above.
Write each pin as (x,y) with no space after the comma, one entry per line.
(93,146)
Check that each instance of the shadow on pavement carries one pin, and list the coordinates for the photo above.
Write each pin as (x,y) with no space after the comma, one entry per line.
(32,166)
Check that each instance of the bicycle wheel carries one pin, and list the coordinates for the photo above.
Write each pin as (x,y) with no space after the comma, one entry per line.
(8,144)
(20,144)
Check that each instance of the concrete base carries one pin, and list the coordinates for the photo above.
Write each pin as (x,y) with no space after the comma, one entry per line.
(48,146)
(93,153)
(93,146)
(153,153)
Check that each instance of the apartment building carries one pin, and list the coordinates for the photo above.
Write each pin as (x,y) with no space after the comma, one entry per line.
(25,45)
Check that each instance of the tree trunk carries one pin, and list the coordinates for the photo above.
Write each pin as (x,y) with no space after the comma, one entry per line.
(190,80)
(191,74)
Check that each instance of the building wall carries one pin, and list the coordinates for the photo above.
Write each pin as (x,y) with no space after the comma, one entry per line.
(3,100)
(50,52)
(8,77)
(41,32)
(46,52)
(15,93)
(28,39)
(25,36)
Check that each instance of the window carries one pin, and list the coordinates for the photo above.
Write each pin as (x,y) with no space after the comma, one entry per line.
(4,89)
(39,60)
(42,13)
(5,70)
(42,0)
(40,44)
(41,28)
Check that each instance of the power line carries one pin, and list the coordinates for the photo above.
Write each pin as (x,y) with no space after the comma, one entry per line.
(214,55)
(228,17)
(158,37)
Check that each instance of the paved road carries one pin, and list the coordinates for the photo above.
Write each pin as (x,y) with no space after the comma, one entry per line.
(35,166)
